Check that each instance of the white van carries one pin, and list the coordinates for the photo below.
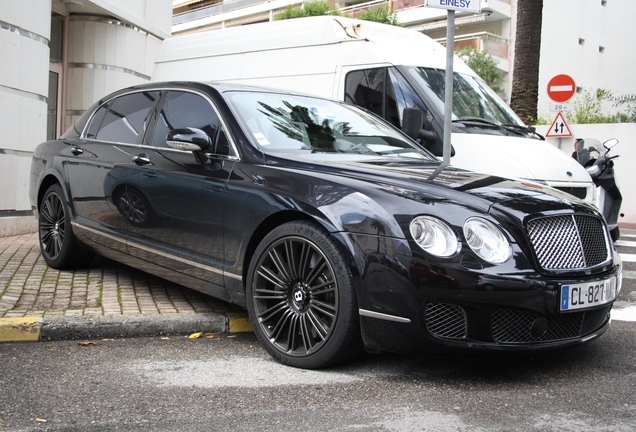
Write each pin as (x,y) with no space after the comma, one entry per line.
(384,69)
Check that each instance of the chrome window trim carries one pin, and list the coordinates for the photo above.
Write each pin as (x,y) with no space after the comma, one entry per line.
(234,157)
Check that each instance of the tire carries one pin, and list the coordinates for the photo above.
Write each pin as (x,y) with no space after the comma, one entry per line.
(135,208)
(615,234)
(58,245)
(301,298)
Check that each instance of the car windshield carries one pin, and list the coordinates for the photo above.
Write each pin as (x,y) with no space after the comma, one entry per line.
(282,122)
(473,100)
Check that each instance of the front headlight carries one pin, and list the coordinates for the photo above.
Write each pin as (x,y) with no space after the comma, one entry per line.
(434,236)
(487,241)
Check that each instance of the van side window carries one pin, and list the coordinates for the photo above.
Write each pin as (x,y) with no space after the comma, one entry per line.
(123,119)
(405,94)
(372,89)
(182,109)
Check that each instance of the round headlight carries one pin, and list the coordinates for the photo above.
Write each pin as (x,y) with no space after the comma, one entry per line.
(434,236)
(487,241)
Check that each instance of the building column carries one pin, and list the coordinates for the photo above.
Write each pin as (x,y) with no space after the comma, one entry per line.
(25,28)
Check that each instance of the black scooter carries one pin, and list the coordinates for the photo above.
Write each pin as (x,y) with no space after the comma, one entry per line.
(600,166)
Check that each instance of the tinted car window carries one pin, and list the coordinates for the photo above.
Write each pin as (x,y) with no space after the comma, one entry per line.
(123,119)
(183,109)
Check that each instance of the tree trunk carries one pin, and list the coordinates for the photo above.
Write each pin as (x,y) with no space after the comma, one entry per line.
(525,78)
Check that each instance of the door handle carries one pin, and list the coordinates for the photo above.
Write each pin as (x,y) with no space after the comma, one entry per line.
(141,159)
(76,151)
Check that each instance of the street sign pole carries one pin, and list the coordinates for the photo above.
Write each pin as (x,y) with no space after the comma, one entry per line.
(448,94)
(472,6)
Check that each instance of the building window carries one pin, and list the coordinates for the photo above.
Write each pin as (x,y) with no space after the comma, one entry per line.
(601,49)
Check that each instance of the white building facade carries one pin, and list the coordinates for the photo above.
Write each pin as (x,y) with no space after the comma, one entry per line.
(59,57)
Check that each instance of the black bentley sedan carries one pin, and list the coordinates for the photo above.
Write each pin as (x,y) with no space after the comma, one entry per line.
(336,231)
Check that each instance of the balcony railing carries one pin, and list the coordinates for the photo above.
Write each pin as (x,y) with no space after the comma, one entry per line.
(494,45)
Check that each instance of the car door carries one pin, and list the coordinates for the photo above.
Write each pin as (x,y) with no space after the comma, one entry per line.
(96,162)
(182,192)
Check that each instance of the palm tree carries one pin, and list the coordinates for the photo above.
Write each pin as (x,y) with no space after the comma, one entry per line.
(525,75)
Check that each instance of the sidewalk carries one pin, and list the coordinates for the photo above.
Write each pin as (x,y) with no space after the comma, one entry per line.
(106,300)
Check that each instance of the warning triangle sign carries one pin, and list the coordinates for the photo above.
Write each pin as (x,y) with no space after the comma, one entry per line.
(559,128)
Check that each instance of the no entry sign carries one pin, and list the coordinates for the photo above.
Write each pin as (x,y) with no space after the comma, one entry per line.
(561,88)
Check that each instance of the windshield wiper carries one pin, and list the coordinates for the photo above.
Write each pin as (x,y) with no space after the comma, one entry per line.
(516,129)
(529,129)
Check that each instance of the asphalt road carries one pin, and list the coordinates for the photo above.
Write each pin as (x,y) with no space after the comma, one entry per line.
(230,383)
(181,384)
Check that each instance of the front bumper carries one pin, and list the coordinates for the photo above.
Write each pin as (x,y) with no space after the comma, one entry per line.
(409,304)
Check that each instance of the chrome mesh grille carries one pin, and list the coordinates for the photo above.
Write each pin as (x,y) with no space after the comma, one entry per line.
(510,326)
(446,320)
(568,242)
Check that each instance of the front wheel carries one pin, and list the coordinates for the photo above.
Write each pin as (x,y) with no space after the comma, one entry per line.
(301,298)
(59,248)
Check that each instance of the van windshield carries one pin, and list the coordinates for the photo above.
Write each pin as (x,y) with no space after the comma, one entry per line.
(284,122)
(472,98)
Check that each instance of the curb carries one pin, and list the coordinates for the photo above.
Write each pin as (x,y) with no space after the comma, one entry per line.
(33,329)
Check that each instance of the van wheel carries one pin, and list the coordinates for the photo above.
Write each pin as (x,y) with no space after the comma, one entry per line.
(59,247)
(301,298)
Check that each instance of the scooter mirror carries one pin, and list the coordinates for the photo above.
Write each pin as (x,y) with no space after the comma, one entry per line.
(610,143)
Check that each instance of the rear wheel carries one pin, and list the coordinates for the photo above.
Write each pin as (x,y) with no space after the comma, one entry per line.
(59,247)
(301,298)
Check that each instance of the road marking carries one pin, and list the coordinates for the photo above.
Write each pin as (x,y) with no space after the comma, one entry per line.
(624,314)
(628,257)
(625,243)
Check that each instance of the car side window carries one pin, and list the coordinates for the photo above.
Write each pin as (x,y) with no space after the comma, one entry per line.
(372,89)
(123,119)
(182,109)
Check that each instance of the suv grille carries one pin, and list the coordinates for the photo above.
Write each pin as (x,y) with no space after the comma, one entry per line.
(568,242)
(579,192)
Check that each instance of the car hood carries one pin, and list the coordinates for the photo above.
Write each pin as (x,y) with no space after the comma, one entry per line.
(425,179)
(513,157)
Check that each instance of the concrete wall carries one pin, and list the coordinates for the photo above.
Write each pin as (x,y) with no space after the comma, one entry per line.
(590,42)
(111,44)
(24,34)
(104,56)
(623,166)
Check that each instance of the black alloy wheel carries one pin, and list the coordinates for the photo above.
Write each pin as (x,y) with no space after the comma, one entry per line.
(57,241)
(301,298)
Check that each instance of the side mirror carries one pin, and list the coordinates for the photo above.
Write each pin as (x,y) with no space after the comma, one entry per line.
(610,143)
(412,120)
(189,139)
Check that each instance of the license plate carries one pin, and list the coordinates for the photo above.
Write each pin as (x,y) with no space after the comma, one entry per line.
(581,296)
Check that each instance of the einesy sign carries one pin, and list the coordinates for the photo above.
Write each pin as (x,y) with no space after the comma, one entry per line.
(457,5)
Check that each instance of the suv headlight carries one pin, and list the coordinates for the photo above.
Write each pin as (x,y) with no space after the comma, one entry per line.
(434,236)
(487,241)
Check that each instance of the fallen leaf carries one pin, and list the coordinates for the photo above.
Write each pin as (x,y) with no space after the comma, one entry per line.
(108,340)
(210,335)
(195,335)
(86,343)
(39,420)
(165,338)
